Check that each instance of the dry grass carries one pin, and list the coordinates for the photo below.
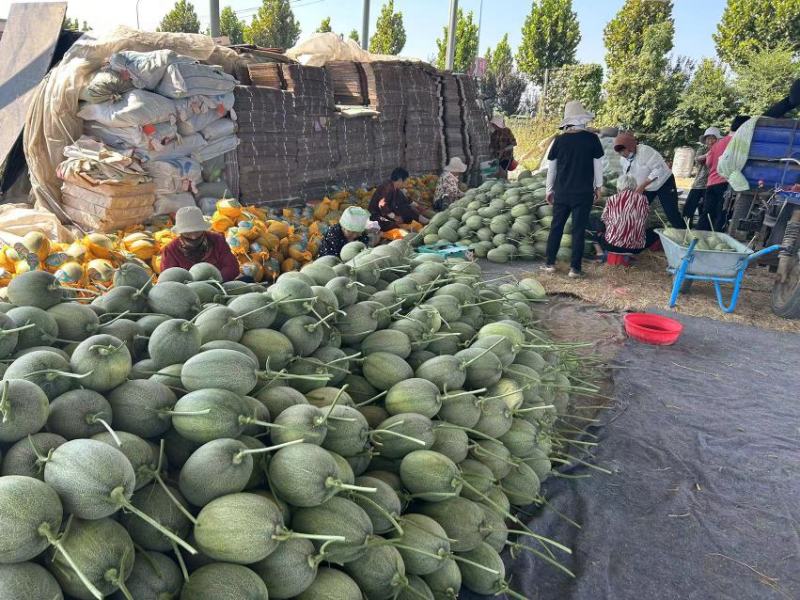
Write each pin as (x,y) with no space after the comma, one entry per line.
(646,284)
(531,135)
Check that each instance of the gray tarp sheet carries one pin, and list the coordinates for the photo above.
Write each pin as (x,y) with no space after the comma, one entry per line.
(704,503)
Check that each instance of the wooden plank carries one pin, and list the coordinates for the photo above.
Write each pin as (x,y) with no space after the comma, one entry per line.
(26,51)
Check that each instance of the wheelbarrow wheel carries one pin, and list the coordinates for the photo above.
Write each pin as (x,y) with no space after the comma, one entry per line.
(786,294)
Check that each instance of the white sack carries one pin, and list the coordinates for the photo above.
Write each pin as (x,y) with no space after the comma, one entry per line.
(136,109)
(144,69)
(193,79)
(170,203)
(174,175)
(219,129)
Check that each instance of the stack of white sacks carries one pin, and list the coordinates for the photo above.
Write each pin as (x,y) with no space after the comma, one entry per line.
(173,113)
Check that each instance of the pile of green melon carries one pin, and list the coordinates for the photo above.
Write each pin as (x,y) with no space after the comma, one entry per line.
(363,428)
(706,240)
(502,221)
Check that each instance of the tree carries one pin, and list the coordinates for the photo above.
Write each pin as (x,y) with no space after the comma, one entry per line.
(273,26)
(500,85)
(181,19)
(466,43)
(70,24)
(354,36)
(749,25)
(582,82)
(500,62)
(231,26)
(325,26)
(643,85)
(709,101)
(390,33)
(550,36)
(764,77)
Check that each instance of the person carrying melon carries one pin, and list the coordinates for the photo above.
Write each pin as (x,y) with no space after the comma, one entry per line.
(574,182)
(448,188)
(197,244)
(351,227)
(390,207)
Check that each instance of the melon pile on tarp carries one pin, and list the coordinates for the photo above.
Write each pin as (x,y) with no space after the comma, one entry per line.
(365,427)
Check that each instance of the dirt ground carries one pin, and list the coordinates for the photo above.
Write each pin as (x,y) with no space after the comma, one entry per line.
(646,285)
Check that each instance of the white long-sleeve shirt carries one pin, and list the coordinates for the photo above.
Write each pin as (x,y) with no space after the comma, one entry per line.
(647,164)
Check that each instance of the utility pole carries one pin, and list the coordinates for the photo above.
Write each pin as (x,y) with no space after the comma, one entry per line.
(365,26)
(480,20)
(213,7)
(451,36)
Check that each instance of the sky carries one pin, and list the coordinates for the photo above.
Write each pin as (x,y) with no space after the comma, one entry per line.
(695,20)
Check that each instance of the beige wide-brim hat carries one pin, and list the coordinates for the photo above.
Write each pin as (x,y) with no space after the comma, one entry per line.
(456,165)
(711,131)
(575,114)
(498,121)
(190,219)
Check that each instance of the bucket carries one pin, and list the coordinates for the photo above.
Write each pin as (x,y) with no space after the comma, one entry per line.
(683,162)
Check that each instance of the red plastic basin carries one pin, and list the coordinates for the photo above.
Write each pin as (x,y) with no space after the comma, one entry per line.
(652,329)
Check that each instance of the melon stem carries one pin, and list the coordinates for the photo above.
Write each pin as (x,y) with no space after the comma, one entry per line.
(114,577)
(333,404)
(400,435)
(104,423)
(486,498)
(57,372)
(355,488)
(253,421)
(119,316)
(254,311)
(544,557)
(5,405)
(386,514)
(447,396)
(308,536)
(582,462)
(118,496)
(181,563)
(237,458)
(371,400)
(4,332)
(175,501)
(465,364)
(560,514)
(187,413)
(480,434)
(46,532)
(533,408)
(541,538)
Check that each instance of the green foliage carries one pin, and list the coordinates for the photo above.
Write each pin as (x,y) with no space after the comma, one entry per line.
(273,26)
(354,36)
(74,25)
(582,82)
(644,86)
(625,34)
(231,25)
(550,36)
(751,25)
(390,33)
(764,77)
(501,61)
(325,26)
(466,43)
(709,101)
(181,19)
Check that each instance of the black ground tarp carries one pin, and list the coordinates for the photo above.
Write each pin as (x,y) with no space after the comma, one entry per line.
(704,503)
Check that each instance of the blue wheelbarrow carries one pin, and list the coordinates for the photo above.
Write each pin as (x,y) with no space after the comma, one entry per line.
(688,263)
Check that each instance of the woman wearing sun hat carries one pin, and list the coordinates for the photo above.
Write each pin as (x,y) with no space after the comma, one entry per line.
(710,137)
(448,188)
(351,227)
(197,244)
(574,182)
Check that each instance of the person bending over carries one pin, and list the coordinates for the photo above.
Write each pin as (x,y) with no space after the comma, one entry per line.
(350,228)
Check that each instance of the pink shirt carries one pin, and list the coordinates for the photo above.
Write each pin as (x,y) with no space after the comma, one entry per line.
(712,160)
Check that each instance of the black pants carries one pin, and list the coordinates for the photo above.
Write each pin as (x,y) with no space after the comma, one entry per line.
(692,203)
(579,207)
(596,228)
(668,195)
(712,213)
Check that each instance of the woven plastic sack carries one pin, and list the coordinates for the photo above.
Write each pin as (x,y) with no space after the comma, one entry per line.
(152,137)
(144,69)
(195,105)
(135,109)
(216,148)
(219,129)
(196,123)
(193,79)
(106,86)
(174,175)
(182,146)
(168,204)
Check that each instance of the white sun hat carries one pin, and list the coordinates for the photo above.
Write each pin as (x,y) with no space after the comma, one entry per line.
(354,218)
(190,219)
(456,165)
(711,131)
(575,115)
(498,121)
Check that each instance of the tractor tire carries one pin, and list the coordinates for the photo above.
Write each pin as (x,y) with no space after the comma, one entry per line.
(741,208)
(786,295)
